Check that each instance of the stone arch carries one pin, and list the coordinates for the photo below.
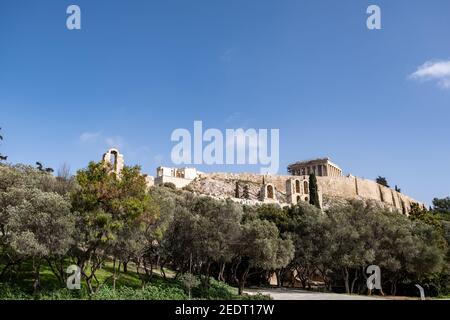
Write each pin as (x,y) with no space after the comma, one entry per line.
(114,157)
(297,186)
(268,193)
(299,199)
(306,187)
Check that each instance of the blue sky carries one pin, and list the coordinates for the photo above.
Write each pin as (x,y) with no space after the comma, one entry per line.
(137,70)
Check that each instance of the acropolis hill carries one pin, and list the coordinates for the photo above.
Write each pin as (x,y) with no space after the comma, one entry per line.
(277,189)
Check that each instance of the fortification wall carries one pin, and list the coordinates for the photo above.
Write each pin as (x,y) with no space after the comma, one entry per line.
(350,187)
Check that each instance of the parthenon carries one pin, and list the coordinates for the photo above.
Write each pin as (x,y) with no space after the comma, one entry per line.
(320,167)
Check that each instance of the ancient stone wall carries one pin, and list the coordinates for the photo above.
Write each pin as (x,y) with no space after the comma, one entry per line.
(353,187)
(350,187)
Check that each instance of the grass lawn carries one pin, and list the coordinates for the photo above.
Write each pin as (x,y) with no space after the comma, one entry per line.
(128,287)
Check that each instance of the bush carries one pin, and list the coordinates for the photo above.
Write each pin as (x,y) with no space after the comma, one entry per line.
(221,291)
(170,185)
(217,291)
(153,292)
(12,293)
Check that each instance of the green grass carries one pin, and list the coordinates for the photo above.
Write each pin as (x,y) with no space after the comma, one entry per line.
(128,287)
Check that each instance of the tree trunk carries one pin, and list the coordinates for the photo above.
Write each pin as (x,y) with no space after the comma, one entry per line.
(5,268)
(163,273)
(241,288)
(279,280)
(242,281)
(221,272)
(206,279)
(114,274)
(354,281)
(346,280)
(37,276)
(125,266)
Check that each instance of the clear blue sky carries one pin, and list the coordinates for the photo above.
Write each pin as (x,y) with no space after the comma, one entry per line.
(140,69)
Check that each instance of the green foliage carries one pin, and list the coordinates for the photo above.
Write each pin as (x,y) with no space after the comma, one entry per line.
(41,168)
(41,225)
(365,233)
(105,222)
(275,214)
(35,222)
(149,293)
(442,206)
(189,282)
(158,289)
(313,191)
(418,213)
(261,245)
(2,157)
(114,213)
(204,229)
(218,290)
(170,185)
(187,188)
(383,181)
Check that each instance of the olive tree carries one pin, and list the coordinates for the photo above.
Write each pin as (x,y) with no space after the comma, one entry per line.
(40,227)
(259,247)
(109,208)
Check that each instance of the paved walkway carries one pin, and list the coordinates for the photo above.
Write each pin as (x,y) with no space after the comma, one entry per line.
(297,294)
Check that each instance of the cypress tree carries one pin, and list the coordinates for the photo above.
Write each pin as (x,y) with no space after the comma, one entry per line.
(2,157)
(245,193)
(313,191)
(236,190)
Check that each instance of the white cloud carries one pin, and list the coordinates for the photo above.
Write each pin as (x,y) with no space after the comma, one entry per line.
(90,136)
(227,55)
(158,159)
(438,71)
(233,117)
(115,142)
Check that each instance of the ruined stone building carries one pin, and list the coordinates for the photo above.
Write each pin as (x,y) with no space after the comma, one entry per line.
(116,159)
(180,177)
(320,167)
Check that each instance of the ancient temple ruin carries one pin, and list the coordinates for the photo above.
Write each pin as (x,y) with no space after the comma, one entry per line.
(320,167)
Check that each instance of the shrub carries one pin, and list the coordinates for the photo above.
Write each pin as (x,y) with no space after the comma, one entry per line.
(170,185)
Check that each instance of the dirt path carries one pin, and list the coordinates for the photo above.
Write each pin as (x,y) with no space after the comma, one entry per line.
(296,294)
